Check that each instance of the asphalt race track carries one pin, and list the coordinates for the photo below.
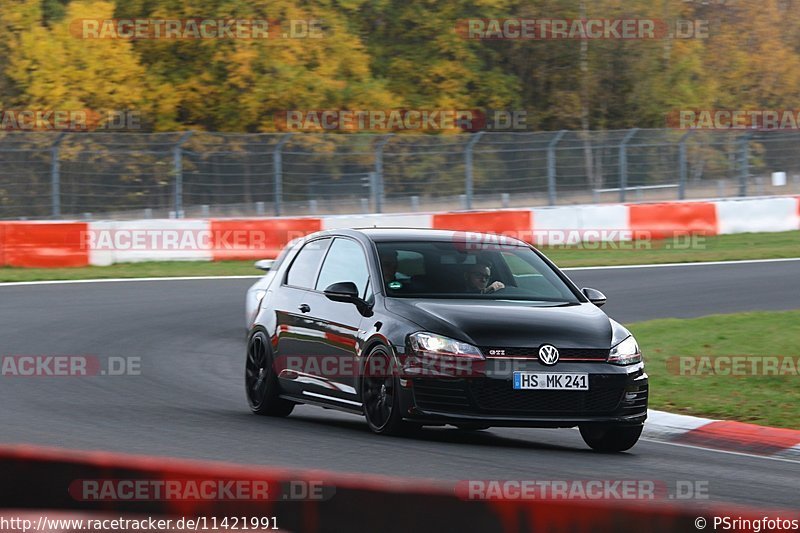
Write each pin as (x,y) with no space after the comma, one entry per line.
(189,399)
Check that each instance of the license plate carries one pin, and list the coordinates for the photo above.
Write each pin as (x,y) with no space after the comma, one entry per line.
(551,381)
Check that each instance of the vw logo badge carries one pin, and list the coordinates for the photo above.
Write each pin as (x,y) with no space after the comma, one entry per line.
(548,354)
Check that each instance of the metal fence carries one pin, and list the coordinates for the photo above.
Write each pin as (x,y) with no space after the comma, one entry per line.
(194,174)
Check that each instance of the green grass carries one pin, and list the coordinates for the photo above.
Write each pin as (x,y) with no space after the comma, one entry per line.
(133,270)
(683,250)
(719,248)
(766,400)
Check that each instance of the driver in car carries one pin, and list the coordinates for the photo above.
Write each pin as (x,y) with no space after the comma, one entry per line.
(477,276)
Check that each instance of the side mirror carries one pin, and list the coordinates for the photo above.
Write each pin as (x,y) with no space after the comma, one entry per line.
(347,292)
(264,264)
(594,296)
(343,291)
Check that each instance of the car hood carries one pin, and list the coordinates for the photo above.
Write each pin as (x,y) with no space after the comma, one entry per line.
(511,324)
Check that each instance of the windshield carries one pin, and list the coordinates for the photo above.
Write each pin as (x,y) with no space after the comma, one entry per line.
(451,270)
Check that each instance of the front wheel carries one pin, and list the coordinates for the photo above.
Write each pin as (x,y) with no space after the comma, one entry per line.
(611,438)
(380,395)
(261,383)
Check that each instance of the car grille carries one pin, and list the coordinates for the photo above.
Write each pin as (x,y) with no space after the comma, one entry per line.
(496,397)
(563,353)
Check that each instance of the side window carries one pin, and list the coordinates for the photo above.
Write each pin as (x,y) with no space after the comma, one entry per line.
(345,262)
(304,269)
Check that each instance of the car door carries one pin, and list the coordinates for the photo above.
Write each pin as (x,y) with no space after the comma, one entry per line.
(293,303)
(338,323)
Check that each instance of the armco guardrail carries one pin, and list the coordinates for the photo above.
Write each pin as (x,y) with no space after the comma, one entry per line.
(65,244)
(45,481)
(107,175)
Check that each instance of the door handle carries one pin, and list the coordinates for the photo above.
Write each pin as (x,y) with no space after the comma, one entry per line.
(304,308)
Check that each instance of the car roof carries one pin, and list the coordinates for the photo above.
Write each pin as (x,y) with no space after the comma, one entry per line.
(422,234)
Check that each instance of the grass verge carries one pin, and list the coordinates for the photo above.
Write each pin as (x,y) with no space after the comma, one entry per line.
(679,250)
(686,249)
(154,269)
(770,400)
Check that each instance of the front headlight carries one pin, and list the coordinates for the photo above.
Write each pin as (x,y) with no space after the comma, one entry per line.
(432,344)
(625,353)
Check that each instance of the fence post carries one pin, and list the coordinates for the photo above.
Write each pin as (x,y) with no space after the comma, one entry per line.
(682,165)
(623,163)
(744,162)
(551,167)
(177,161)
(378,175)
(373,189)
(468,185)
(55,177)
(277,169)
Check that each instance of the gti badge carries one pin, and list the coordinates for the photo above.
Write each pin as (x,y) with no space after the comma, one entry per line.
(548,354)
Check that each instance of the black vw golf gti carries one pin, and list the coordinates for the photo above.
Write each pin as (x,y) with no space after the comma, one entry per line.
(417,327)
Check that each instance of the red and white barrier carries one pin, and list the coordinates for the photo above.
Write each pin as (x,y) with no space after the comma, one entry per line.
(70,244)
(764,214)
(134,241)
(41,484)
(43,244)
(517,222)
(424,220)
(256,238)
(665,219)
(723,434)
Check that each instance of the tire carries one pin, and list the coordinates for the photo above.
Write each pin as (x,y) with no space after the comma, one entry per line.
(379,395)
(260,380)
(611,438)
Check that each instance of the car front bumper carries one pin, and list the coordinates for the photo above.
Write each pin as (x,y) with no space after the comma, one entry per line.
(616,395)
